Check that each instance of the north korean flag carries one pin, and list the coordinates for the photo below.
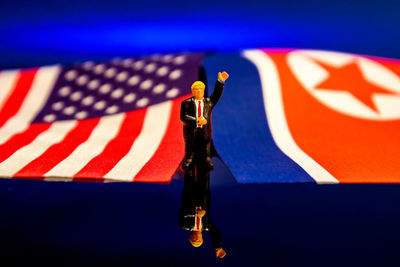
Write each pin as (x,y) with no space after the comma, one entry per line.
(310,116)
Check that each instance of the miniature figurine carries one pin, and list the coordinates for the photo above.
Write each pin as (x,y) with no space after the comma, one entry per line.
(195,211)
(197,165)
(196,118)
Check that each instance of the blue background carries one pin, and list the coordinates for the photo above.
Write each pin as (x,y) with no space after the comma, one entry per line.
(261,224)
(54,31)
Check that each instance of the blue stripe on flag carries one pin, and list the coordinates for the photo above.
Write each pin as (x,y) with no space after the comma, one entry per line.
(240,130)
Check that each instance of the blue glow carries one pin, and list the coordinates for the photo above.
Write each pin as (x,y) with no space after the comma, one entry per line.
(74,31)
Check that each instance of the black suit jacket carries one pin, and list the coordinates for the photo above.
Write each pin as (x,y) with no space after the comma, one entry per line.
(188,113)
(197,194)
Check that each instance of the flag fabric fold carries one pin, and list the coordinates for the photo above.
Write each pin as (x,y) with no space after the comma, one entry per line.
(286,116)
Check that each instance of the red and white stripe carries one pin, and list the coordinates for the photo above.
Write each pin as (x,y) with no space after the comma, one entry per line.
(7,81)
(144,145)
(26,97)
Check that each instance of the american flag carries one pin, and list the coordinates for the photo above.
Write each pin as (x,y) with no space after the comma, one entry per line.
(114,121)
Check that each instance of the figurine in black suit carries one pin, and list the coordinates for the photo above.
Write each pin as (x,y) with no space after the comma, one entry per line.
(196,118)
(194,215)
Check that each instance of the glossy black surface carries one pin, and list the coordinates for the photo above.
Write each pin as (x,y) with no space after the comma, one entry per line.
(260,224)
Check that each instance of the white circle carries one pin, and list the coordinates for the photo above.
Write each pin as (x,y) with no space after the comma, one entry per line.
(150,67)
(162,71)
(117,93)
(99,69)
(76,96)
(69,110)
(87,101)
(129,98)
(145,85)
(82,80)
(175,74)
(179,60)
(112,109)
(71,75)
(127,62)
(81,115)
(172,93)
(58,105)
(308,67)
(64,91)
(134,80)
(88,65)
(159,88)
(109,73)
(49,118)
(100,105)
(142,102)
(167,58)
(138,65)
(105,88)
(122,76)
(93,84)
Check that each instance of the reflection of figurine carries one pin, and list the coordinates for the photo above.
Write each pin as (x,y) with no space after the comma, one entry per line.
(195,212)
(196,118)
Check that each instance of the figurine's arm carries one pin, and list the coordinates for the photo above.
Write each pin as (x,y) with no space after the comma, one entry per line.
(219,87)
(220,252)
(185,117)
(215,235)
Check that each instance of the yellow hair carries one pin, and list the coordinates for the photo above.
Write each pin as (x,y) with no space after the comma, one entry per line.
(198,84)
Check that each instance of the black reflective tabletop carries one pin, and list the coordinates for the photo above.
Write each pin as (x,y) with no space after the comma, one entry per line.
(138,224)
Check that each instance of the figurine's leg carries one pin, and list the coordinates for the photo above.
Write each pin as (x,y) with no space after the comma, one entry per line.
(202,147)
(189,178)
(189,198)
(198,144)
(202,187)
(187,162)
(208,154)
(189,148)
(203,176)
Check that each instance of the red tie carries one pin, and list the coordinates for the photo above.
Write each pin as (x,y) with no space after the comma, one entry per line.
(197,225)
(199,111)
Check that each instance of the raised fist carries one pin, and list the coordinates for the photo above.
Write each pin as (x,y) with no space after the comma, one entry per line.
(223,76)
